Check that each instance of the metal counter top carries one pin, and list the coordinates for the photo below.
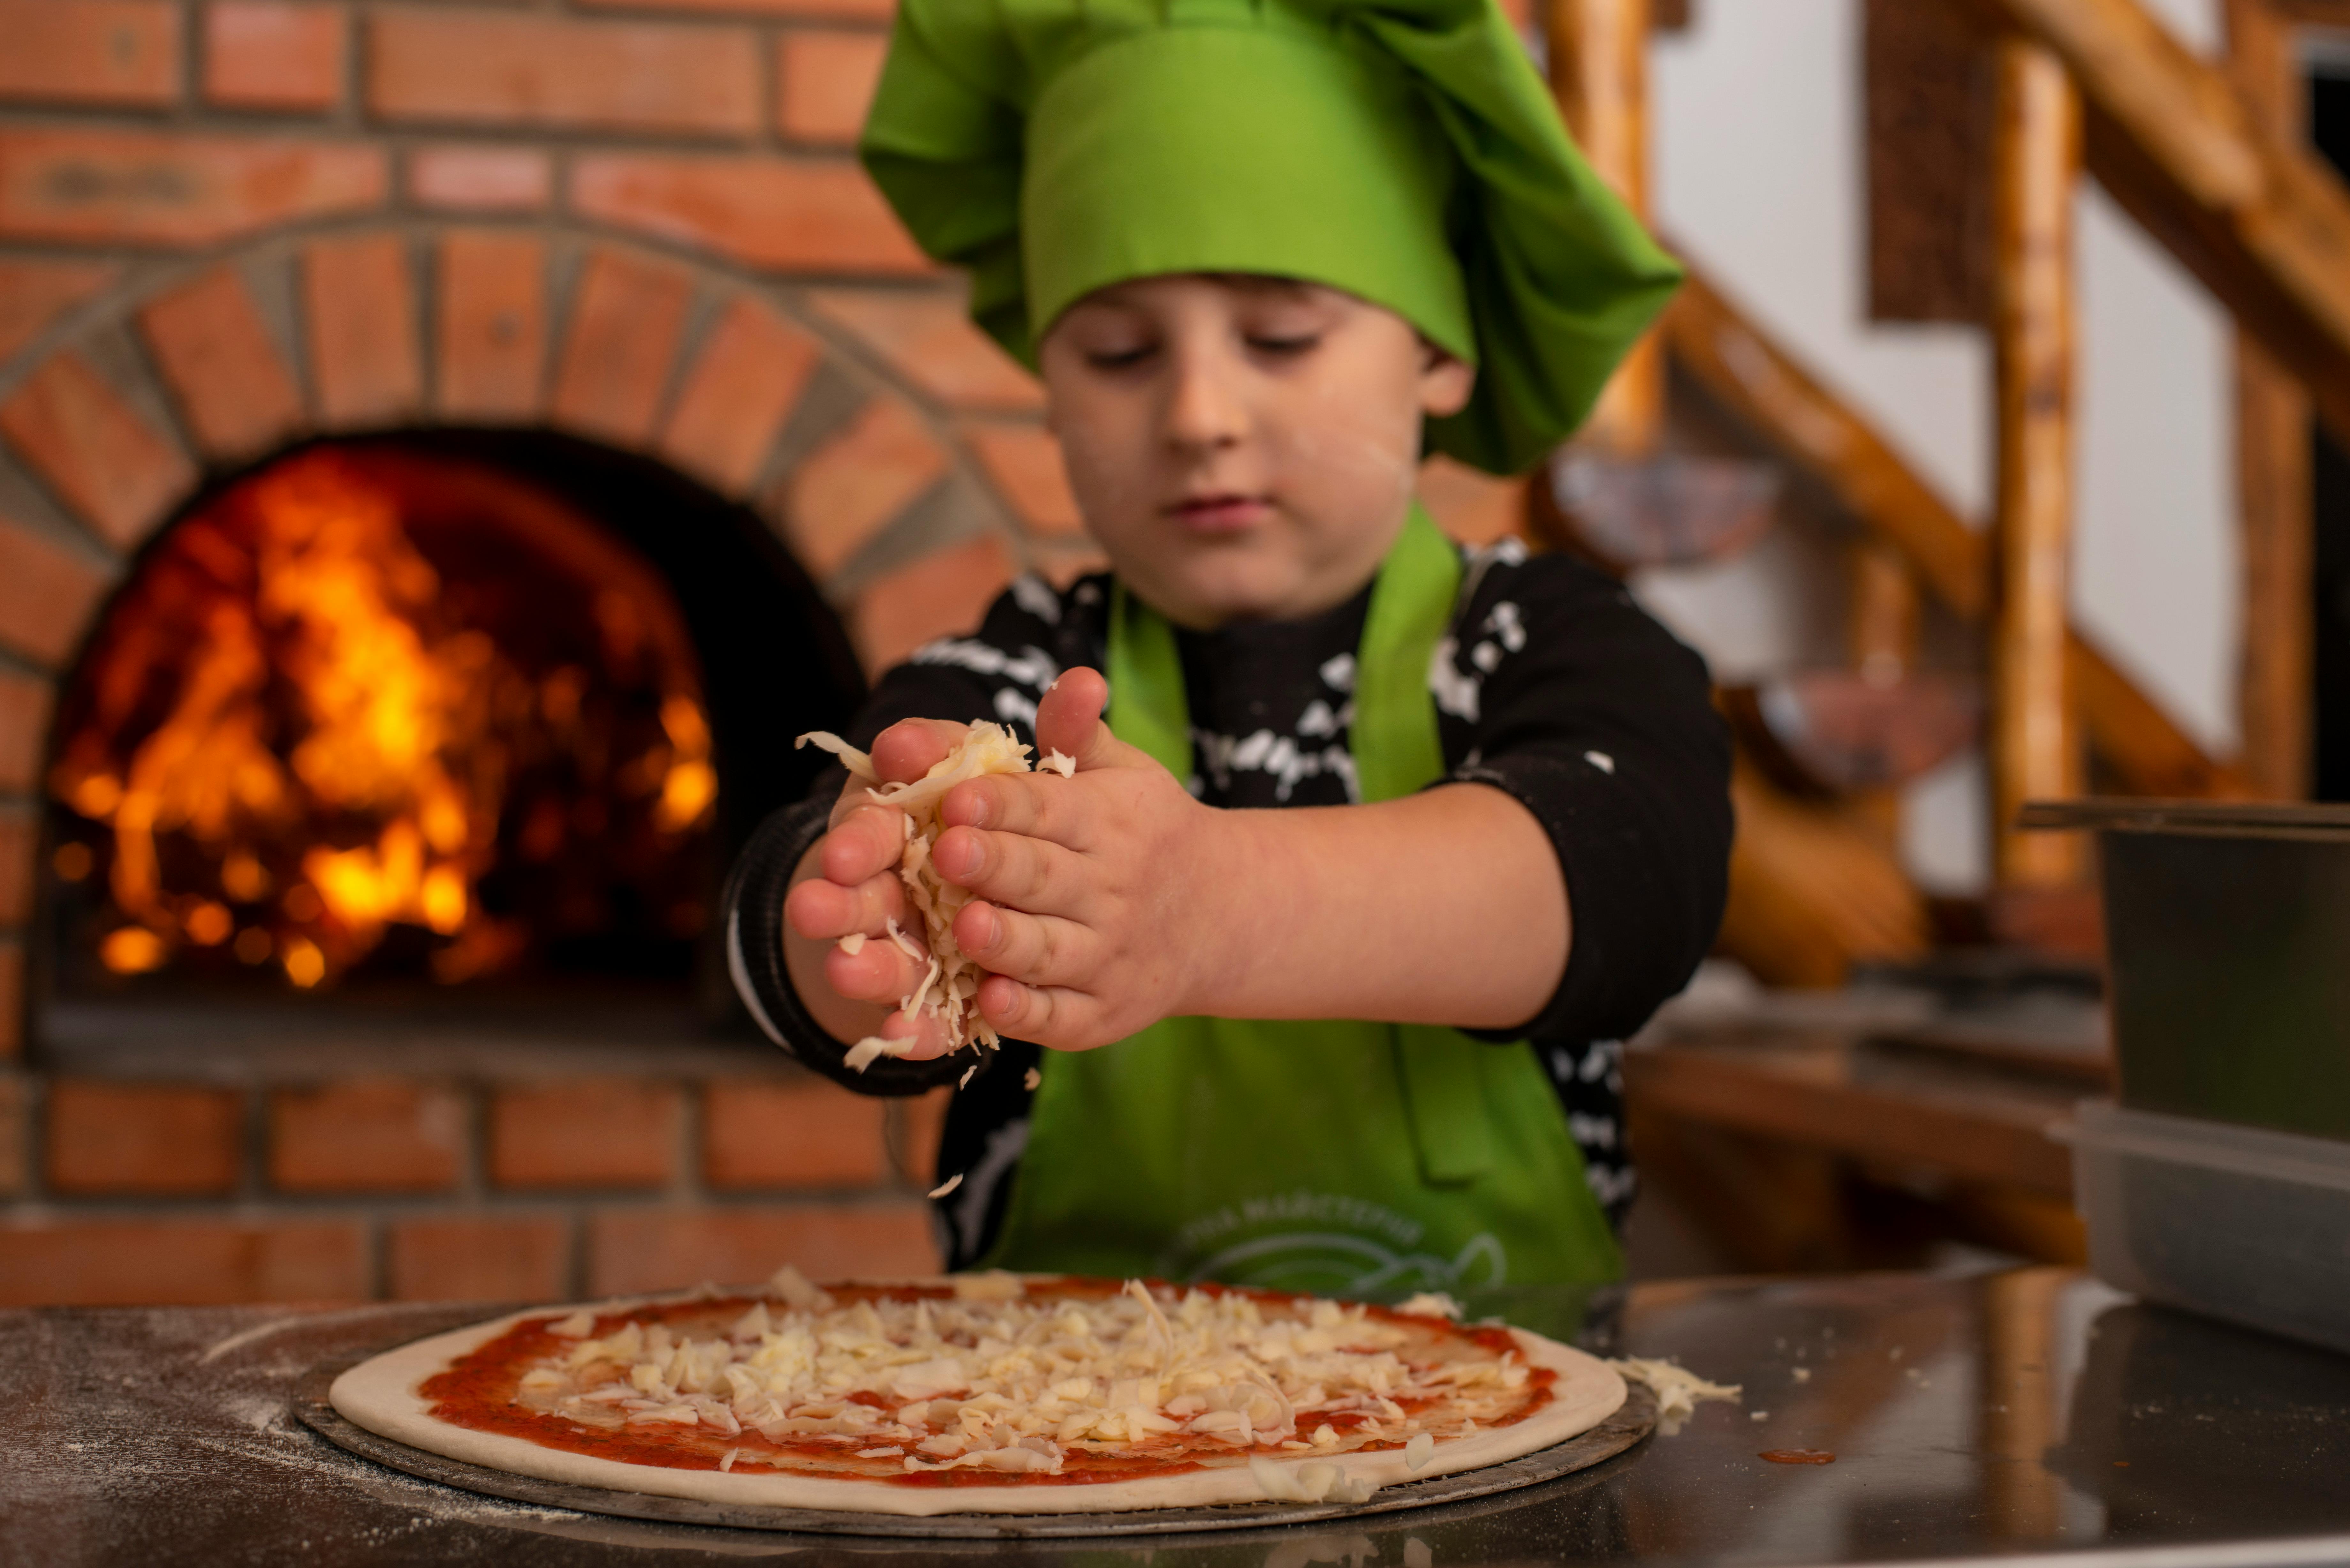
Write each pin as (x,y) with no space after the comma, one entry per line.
(2006,1414)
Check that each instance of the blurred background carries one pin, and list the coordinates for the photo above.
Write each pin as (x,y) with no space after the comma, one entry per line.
(447,450)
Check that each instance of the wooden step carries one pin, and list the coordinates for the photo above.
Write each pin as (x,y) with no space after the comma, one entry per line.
(1813,888)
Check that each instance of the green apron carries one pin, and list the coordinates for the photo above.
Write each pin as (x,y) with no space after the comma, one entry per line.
(1340,1157)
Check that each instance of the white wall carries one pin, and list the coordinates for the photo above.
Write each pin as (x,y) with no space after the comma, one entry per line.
(1759,178)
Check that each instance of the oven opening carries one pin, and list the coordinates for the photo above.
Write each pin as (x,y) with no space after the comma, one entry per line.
(464,722)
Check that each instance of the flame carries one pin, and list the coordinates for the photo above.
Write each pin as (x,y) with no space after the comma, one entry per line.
(330,734)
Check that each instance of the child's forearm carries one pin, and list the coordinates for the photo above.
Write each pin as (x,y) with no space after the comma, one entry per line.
(1447,907)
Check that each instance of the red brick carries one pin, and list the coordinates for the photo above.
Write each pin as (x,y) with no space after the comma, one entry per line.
(828,10)
(23,727)
(12,1016)
(144,187)
(1024,462)
(95,452)
(941,594)
(633,1250)
(825,81)
(90,51)
(35,292)
(850,488)
(759,1134)
(584,1132)
(261,54)
(625,323)
(740,390)
(928,339)
(193,1262)
(915,1124)
(1472,507)
(481,1259)
(358,315)
(235,390)
(470,67)
(15,1120)
(387,1136)
(48,595)
(787,214)
(481,178)
(147,1138)
(18,839)
(491,341)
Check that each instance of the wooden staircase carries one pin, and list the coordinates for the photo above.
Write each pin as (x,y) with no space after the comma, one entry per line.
(2093,85)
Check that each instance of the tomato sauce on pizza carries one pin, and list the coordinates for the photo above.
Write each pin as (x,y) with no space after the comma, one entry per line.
(986,1381)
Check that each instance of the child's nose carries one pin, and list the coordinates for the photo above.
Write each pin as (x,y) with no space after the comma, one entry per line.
(1204,408)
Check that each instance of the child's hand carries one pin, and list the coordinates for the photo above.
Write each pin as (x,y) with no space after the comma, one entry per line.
(856,888)
(1091,889)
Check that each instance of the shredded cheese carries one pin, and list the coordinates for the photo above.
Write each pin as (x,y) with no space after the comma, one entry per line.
(949,989)
(997,1378)
(1677,1389)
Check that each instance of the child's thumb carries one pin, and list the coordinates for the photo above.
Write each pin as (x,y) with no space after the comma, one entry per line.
(1070,721)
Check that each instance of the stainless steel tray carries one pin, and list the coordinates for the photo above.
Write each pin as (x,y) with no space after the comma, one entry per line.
(1620,1431)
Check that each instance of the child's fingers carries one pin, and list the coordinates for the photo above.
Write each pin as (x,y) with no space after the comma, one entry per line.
(1052,1016)
(866,842)
(1040,805)
(929,1036)
(1069,720)
(824,911)
(1068,717)
(880,971)
(1036,949)
(1008,867)
(912,747)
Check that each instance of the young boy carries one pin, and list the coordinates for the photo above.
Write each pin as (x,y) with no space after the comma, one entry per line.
(1378,846)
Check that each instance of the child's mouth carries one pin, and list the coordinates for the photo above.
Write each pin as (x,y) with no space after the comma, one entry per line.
(1223,513)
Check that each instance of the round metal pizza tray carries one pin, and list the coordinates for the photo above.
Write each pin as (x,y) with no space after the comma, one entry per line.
(1633,1421)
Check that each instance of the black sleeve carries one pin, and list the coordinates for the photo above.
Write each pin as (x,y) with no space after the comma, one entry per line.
(1563,692)
(996,673)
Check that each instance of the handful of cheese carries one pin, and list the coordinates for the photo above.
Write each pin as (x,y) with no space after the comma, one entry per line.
(949,989)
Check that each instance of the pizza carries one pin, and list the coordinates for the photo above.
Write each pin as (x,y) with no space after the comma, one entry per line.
(991,1393)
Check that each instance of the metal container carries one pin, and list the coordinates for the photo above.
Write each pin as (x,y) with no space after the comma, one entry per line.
(2227,942)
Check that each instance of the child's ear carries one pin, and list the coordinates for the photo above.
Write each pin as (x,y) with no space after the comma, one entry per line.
(1445,382)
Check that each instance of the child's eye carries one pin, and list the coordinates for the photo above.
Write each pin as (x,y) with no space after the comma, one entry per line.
(1284,345)
(1118,358)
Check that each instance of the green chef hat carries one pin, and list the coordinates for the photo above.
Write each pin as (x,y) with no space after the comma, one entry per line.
(1403,150)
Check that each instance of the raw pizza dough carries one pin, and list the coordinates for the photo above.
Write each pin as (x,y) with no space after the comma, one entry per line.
(383,1395)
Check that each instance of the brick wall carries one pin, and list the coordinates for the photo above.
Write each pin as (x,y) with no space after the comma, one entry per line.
(371,1186)
(226,226)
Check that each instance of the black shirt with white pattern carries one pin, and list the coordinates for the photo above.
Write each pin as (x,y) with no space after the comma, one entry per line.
(1552,687)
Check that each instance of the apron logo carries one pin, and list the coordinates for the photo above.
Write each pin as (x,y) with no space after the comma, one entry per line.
(1326,1242)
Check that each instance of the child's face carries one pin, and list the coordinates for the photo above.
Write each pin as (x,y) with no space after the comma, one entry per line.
(1244,448)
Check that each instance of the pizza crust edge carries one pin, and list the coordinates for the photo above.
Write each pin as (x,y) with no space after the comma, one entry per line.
(381,1395)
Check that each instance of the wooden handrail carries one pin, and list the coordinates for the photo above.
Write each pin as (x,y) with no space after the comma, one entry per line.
(2262,222)
(2276,676)
(2034,746)
(1762,383)
(1600,74)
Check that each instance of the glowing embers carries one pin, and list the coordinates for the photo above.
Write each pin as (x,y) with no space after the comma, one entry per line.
(374,705)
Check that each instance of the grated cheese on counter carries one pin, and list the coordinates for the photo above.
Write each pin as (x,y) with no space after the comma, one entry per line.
(1677,1388)
(995,1378)
(948,988)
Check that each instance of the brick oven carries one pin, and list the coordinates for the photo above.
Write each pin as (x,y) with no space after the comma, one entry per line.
(606,273)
